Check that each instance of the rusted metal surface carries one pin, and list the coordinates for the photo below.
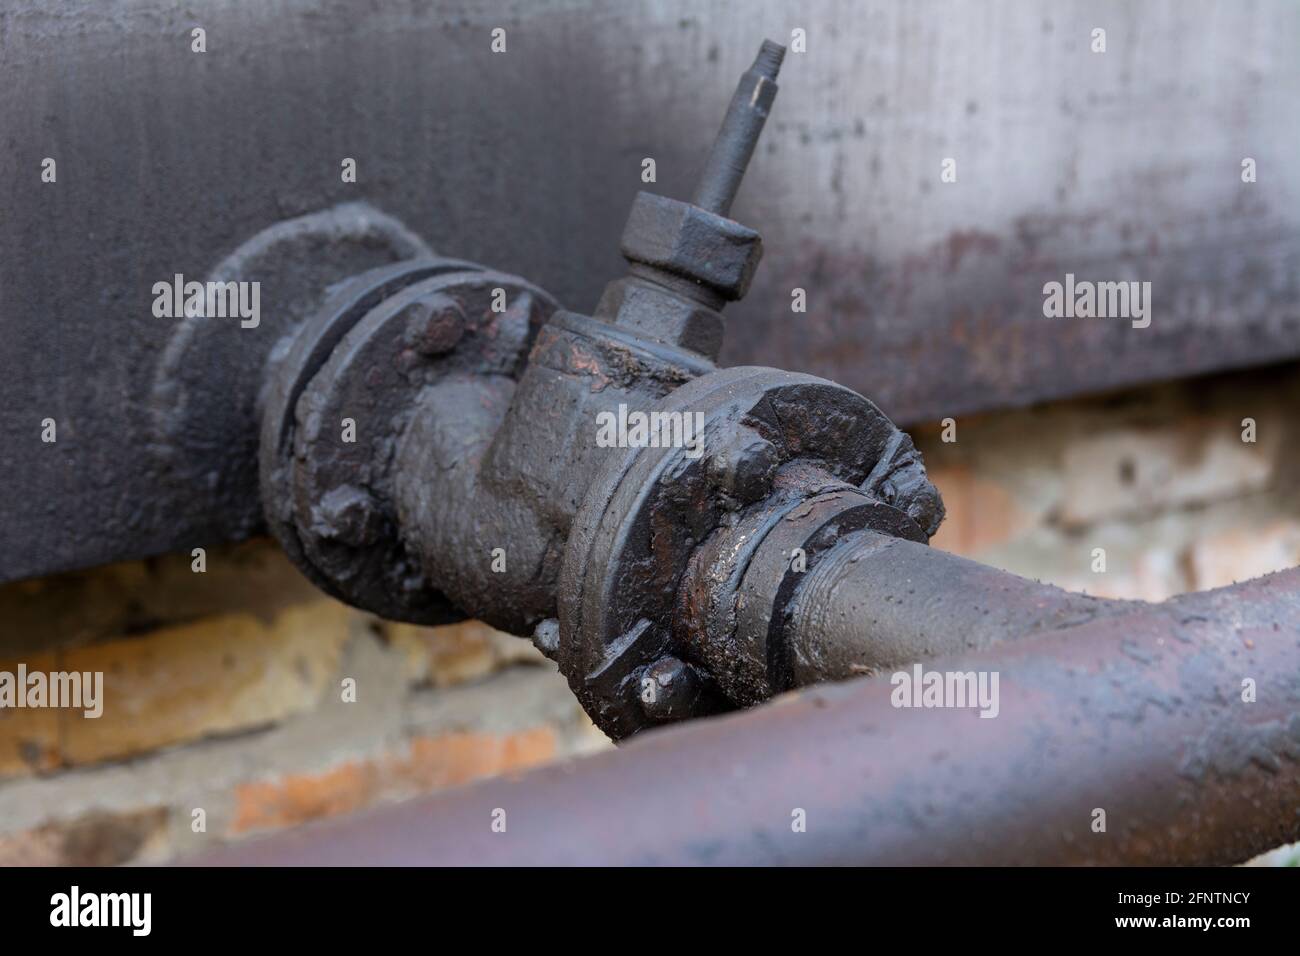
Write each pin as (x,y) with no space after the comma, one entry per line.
(655,572)
(924,295)
(625,596)
(1140,714)
(480,481)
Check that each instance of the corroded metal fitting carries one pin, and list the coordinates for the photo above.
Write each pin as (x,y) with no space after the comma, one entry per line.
(430,449)
(342,397)
(675,556)
(683,240)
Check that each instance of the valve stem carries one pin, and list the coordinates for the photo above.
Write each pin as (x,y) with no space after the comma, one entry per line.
(741,127)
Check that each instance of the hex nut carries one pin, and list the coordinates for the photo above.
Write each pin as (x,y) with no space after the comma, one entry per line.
(685,240)
(661,315)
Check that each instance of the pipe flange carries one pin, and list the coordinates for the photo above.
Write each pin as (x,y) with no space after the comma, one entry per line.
(650,508)
(290,372)
(733,599)
(211,379)
(337,405)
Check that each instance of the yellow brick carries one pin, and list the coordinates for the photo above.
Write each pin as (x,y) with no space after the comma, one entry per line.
(458,653)
(218,675)
(94,839)
(77,608)
(29,737)
(1238,554)
(1131,472)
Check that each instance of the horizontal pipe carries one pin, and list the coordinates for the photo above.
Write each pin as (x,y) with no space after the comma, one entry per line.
(876,602)
(1138,716)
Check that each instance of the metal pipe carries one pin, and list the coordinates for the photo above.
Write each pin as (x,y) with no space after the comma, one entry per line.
(1136,738)
(877,602)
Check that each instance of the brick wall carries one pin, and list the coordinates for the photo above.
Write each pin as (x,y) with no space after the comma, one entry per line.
(1159,478)
(224,693)
(225,710)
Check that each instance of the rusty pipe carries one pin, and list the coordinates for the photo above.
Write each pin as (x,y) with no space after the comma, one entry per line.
(1142,716)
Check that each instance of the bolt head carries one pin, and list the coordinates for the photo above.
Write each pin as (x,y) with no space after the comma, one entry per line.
(348,514)
(435,324)
(669,689)
(744,465)
(546,637)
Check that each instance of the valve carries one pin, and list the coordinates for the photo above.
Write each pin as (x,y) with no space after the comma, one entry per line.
(658,574)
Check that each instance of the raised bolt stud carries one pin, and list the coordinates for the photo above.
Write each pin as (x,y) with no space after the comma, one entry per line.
(744,465)
(669,689)
(434,324)
(546,636)
(347,514)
